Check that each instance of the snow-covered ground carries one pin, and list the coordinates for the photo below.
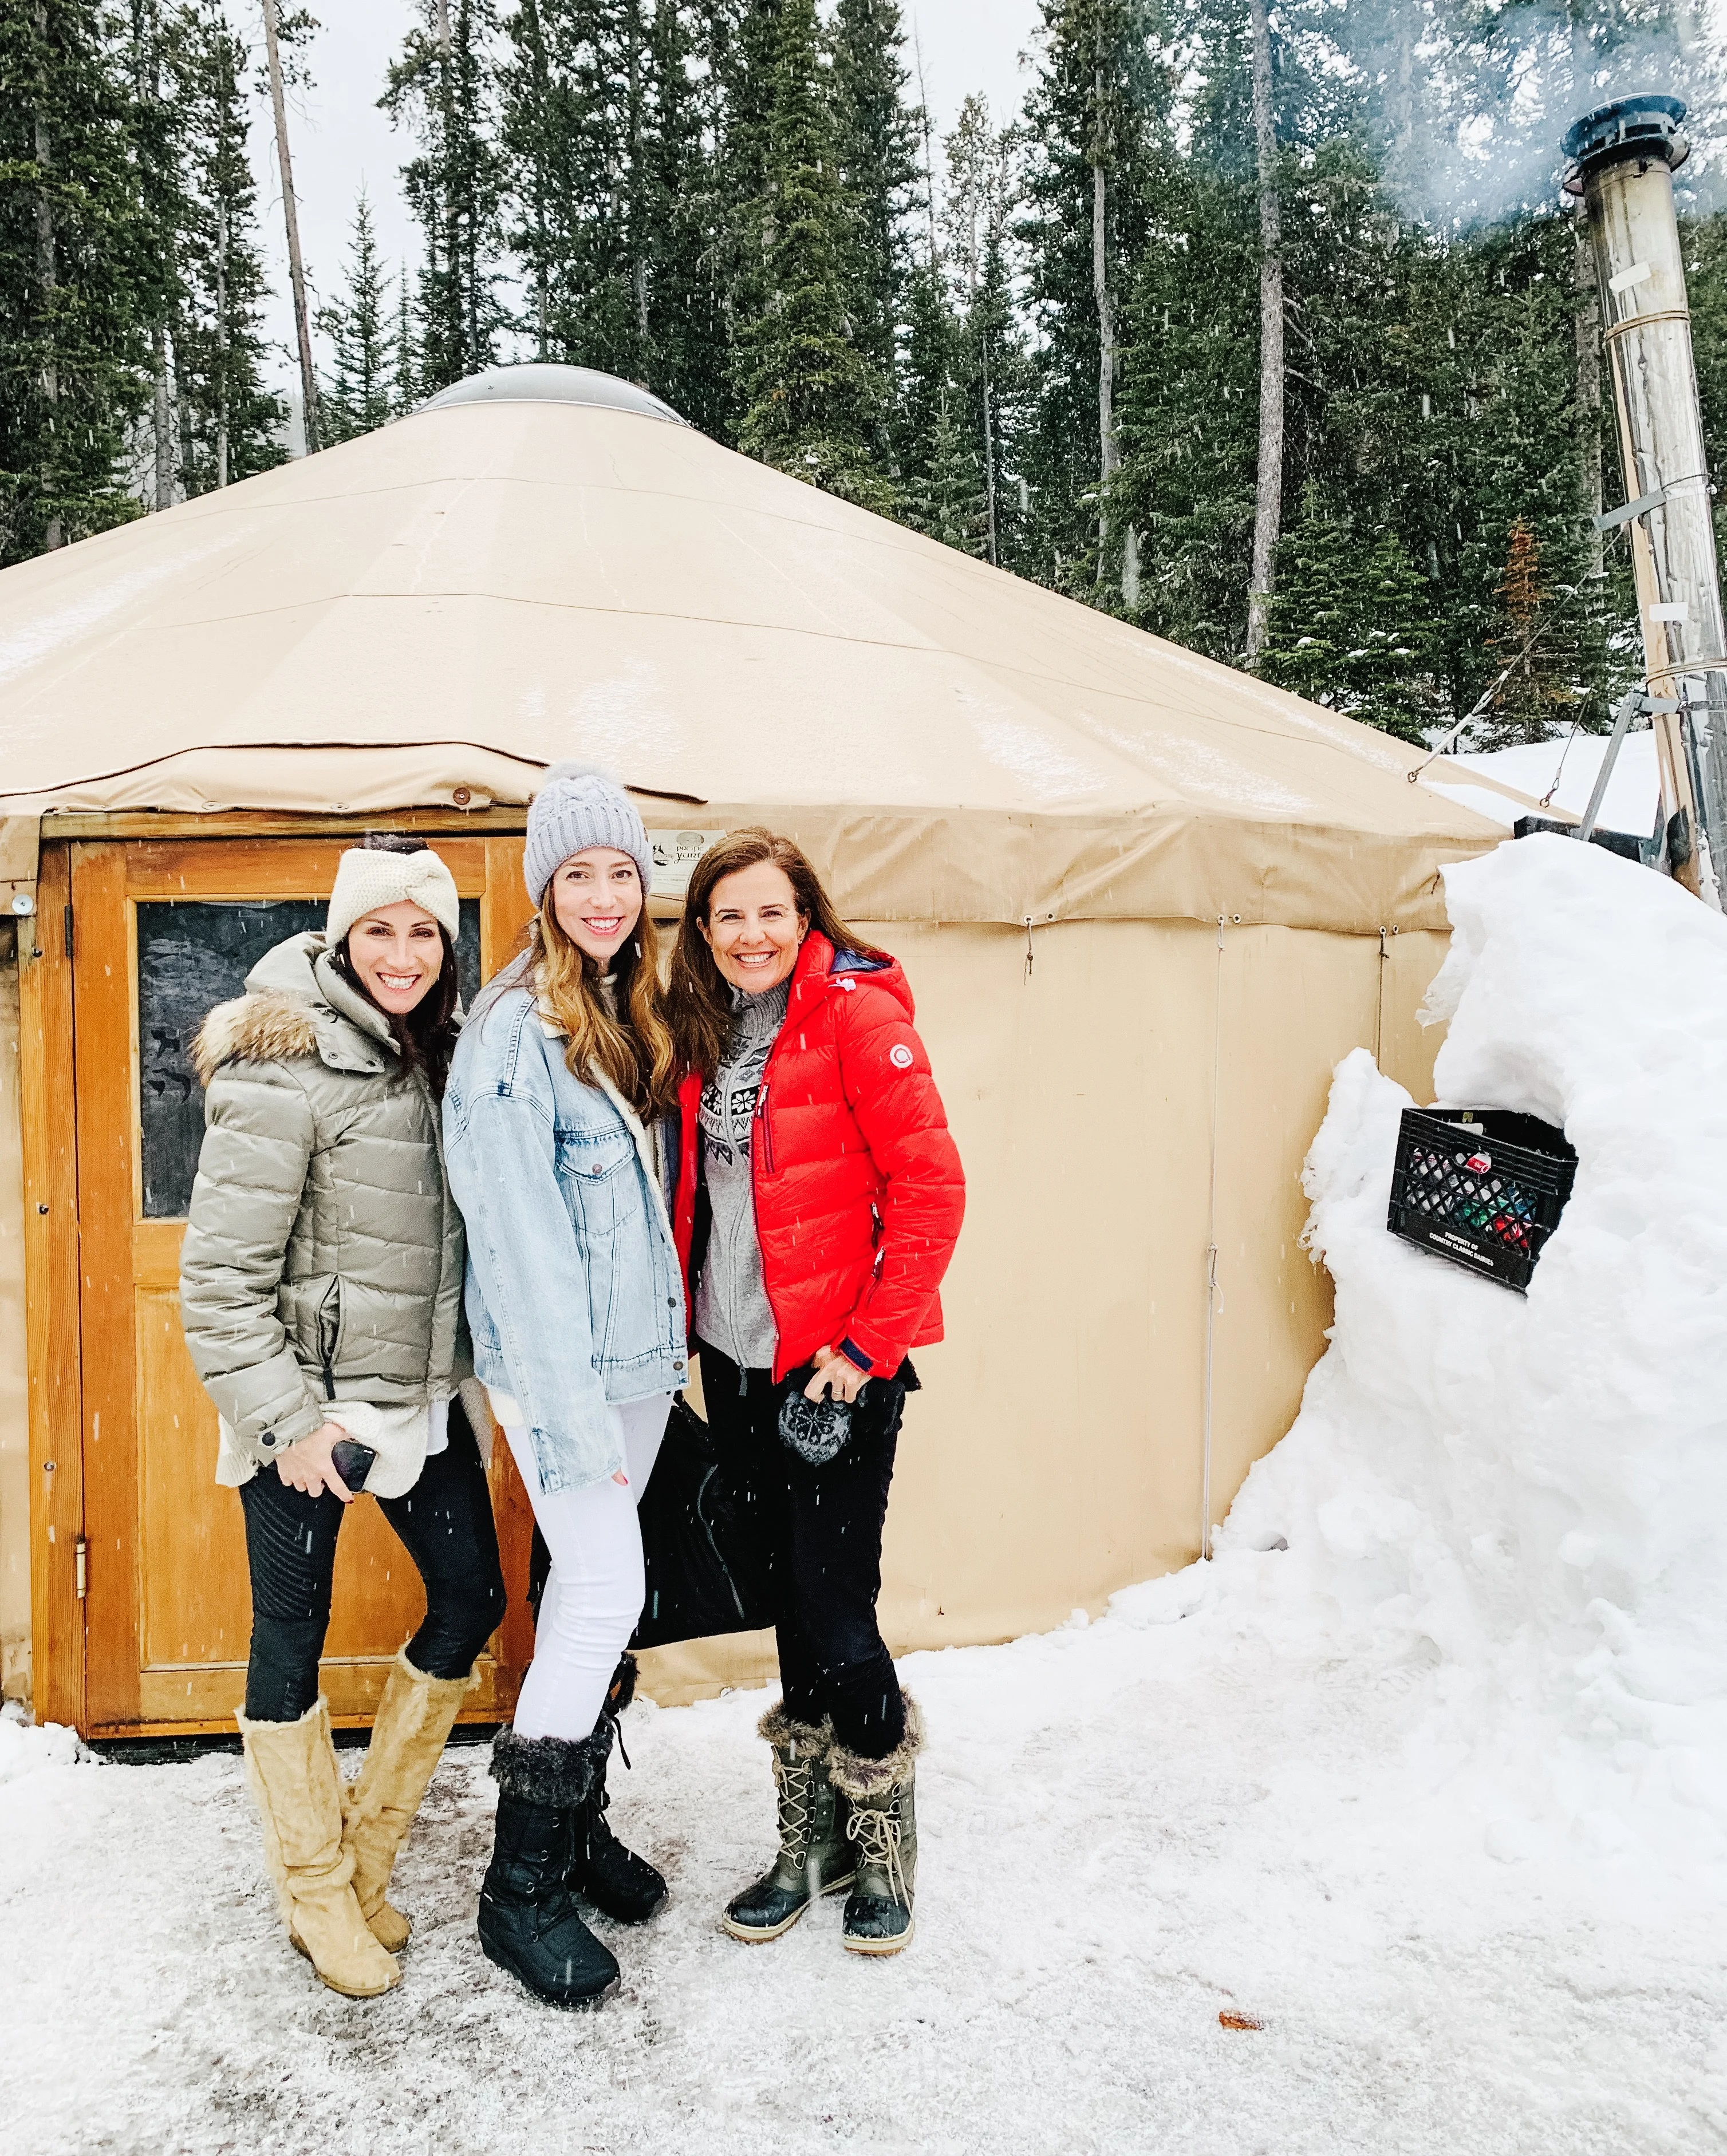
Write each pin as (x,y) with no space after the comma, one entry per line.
(1564,771)
(1426,1773)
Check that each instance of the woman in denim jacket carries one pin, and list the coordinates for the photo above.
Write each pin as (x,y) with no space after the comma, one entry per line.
(576,1304)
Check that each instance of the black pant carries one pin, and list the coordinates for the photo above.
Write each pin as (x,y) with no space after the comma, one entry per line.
(444,1523)
(822,1529)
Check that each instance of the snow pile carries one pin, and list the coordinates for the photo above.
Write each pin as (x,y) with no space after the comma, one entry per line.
(1522,1504)
(1563,770)
(25,1749)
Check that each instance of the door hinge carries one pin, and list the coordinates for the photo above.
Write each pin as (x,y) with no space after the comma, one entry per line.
(67,919)
(80,1553)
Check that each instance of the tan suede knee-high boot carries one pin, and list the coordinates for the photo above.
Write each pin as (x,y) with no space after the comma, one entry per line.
(296,1785)
(411,1727)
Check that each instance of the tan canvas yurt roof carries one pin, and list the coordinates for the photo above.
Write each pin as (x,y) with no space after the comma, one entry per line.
(546,563)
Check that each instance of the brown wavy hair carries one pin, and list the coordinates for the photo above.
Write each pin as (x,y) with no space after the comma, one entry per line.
(635,1051)
(701,1001)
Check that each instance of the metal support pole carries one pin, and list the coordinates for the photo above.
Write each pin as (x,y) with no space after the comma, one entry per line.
(1629,705)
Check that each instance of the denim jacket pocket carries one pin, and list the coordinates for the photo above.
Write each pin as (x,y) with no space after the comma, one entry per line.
(593,1155)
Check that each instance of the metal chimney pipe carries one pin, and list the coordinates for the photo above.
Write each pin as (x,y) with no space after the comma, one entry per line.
(1624,157)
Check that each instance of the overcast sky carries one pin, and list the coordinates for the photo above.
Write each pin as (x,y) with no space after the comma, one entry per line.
(340,139)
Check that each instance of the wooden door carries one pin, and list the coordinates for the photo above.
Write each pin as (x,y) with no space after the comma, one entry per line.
(160,931)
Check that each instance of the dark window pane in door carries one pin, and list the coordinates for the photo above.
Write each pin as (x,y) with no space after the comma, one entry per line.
(193,954)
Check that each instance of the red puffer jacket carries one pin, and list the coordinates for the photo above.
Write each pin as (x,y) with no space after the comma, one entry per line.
(858,1187)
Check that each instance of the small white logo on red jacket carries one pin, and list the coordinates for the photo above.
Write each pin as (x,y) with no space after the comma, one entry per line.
(900,1056)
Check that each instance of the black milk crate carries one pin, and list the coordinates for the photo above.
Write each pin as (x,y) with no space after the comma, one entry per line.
(1481,1187)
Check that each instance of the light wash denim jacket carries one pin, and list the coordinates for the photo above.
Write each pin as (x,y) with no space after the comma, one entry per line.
(574,1296)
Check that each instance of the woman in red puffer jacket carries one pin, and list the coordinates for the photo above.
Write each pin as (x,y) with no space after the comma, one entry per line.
(819,1198)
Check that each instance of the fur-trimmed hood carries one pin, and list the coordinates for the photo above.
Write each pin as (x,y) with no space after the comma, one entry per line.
(268,1028)
(295,1005)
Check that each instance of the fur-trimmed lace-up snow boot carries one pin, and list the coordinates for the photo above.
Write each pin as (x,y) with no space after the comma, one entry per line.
(296,1785)
(814,1856)
(408,1733)
(883,1828)
(620,1884)
(528,1921)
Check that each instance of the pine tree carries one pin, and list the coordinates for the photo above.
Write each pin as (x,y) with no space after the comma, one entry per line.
(743,47)
(876,140)
(407,381)
(981,197)
(75,290)
(158,152)
(1705,244)
(443,87)
(950,503)
(1190,405)
(812,399)
(230,426)
(360,390)
(612,194)
(1098,103)
(1348,624)
(690,342)
(1541,688)
(926,430)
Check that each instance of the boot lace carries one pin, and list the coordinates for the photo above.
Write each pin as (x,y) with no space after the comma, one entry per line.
(875,1829)
(795,1779)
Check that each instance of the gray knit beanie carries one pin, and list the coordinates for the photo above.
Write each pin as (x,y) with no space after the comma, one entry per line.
(578,806)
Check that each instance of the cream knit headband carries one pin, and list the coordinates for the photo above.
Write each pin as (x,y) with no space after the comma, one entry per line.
(366,881)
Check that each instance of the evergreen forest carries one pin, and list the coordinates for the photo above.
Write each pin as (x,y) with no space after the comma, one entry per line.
(1264,324)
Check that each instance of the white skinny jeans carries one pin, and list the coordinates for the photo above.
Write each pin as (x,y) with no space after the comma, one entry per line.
(595,1590)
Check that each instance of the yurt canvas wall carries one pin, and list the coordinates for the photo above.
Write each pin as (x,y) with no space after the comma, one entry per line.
(1145,904)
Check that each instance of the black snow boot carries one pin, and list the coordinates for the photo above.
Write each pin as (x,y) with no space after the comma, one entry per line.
(814,1856)
(528,1920)
(620,1884)
(883,1824)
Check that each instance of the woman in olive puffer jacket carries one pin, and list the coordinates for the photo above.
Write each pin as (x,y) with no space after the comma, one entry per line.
(321,1294)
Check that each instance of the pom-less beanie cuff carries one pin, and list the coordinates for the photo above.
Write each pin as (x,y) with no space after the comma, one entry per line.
(366,881)
(578,806)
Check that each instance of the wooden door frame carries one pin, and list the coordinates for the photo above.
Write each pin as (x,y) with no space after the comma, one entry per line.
(54,1255)
(47,1093)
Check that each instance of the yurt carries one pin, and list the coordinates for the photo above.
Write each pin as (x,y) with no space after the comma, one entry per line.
(1145,903)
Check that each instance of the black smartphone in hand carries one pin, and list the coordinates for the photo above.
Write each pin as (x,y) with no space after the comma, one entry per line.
(352,1461)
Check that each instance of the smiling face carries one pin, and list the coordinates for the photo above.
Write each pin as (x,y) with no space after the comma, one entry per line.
(597,900)
(753,927)
(398,951)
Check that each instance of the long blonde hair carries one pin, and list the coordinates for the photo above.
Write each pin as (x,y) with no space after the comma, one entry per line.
(633,1050)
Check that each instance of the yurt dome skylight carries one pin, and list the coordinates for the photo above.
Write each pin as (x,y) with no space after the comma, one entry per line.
(537,383)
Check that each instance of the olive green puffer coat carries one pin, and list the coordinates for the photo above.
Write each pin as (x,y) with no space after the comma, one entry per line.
(323,1254)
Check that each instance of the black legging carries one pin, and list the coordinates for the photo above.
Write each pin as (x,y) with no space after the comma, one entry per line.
(444,1523)
(822,1528)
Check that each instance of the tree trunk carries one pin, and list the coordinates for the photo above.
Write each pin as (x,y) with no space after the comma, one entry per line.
(1268,503)
(927,126)
(1587,320)
(1109,451)
(638,237)
(989,450)
(47,275)
(161,420)
(291,217)
(149,89)
(222,343)
(1588,323)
